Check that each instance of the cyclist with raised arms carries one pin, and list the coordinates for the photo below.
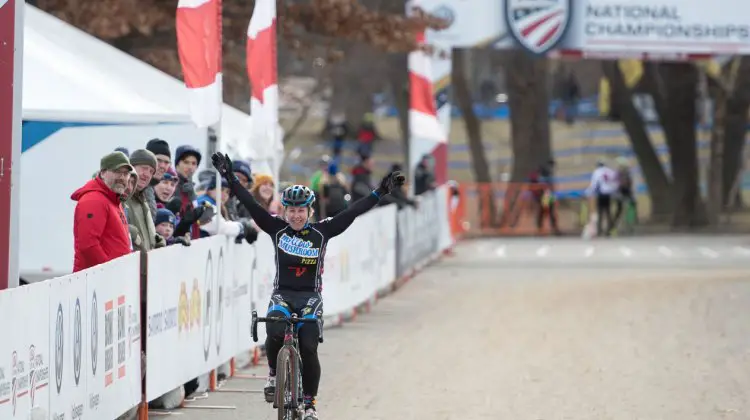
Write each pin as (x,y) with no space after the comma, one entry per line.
(300,250)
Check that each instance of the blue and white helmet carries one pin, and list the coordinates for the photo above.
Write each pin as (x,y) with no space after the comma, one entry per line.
(297,196)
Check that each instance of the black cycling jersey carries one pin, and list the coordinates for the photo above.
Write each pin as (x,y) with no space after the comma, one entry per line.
(300,254)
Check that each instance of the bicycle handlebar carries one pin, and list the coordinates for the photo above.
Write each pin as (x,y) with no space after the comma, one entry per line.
(293,320)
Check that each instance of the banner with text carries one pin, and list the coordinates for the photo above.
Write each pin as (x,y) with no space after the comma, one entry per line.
(672,27)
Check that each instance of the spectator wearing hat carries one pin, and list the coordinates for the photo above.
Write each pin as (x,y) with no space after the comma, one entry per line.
(138,211)
(236,210)
(165,222)
(218,224)
(424,177)
(160,149)
(123,150)
(100,229)
(187,159)
(264,191)
(165,189)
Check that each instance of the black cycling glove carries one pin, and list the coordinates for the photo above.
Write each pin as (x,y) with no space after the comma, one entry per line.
(223,164)
(389,182)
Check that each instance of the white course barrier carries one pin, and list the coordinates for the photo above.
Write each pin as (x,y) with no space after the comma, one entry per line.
(73,347)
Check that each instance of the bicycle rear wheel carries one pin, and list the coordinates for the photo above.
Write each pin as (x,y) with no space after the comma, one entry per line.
(287,384)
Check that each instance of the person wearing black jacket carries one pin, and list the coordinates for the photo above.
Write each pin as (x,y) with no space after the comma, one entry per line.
(300,249)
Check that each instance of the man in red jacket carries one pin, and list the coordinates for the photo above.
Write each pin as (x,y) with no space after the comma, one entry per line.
(100,230)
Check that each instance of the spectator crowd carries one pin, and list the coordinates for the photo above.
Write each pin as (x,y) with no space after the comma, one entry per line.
(146,200)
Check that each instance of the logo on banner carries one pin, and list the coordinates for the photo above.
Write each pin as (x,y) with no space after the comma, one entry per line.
(59,347)
(94,334)
(207,309)
(220,300)
(32,374)
(445,13)
(14,382)
(189,307)
(538,25)
(77,342)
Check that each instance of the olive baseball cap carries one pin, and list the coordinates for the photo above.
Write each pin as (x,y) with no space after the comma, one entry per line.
(115,161)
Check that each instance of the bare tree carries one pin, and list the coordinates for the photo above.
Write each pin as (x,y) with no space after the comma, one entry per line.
(653,173)
(146,29)
(673,87)
(528,100)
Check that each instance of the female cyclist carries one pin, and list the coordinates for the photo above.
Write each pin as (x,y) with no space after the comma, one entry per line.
(300,250)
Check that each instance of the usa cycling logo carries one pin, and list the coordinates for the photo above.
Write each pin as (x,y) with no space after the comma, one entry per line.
(445,13)
(538,25)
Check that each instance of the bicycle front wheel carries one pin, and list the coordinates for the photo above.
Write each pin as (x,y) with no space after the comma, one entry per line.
(287,384)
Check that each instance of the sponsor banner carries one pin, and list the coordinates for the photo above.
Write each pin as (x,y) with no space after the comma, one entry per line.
(199,304)
(180,314)
(240,304)
(418,233)
(112,337)
(664,27)
(443,214)
(264,273)
(71,347)
(24,351)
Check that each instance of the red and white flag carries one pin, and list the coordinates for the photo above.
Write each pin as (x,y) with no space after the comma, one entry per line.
(199,46)
(423,119)
(262,72)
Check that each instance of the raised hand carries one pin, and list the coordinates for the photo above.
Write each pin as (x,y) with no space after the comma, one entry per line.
(222,163)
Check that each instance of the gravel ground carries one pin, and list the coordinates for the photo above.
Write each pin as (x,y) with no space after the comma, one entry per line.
(469,341)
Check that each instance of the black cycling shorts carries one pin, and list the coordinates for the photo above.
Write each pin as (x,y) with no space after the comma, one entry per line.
(304,304)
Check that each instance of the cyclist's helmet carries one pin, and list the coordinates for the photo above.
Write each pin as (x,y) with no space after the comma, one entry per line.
(297,196)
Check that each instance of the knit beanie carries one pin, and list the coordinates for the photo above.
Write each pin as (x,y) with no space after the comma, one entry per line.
(170,174)
(159,147)
(242,167)
(187,150)
(123,150)
(164,215)
(143,157)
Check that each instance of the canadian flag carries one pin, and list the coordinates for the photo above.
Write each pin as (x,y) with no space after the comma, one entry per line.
(262,72)
(199,47)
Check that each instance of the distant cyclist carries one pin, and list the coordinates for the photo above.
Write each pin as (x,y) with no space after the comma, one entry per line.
(603,186)
(300,251)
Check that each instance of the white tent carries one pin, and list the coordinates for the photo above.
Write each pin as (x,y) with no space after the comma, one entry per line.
(69,73)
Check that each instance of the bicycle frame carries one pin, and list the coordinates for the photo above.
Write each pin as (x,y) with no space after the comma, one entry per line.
(291,345)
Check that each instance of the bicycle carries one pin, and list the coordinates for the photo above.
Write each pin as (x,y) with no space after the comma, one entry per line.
(290,401)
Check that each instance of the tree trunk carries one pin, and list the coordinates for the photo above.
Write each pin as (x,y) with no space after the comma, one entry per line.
(528,99)
(398,79)
(715,175)
(472,123)
(738,106)
(653,172)
(474,133)
(675,97)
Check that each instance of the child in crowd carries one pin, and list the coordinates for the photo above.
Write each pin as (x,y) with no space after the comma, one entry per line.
(165,226)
